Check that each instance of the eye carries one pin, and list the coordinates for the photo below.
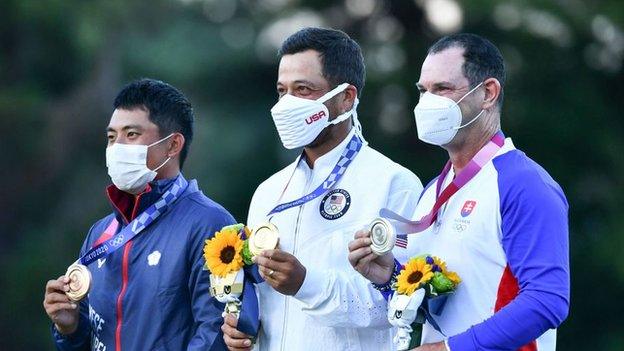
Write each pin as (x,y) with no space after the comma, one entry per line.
(111,138)
(281,91)
(303,90)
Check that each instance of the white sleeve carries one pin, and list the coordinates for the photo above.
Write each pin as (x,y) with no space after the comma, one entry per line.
(341,297)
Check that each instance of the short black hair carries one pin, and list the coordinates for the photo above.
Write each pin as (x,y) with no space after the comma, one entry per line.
(166,107)
(341,57)
(482,59)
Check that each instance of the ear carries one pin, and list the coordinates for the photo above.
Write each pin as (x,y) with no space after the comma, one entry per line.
(492,93)
(348,99)
(176,143)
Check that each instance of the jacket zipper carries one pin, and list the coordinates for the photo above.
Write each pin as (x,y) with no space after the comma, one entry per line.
(286,298)
(124,280)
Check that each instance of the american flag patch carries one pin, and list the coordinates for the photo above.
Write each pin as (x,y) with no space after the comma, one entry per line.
(401,241)
(336,199)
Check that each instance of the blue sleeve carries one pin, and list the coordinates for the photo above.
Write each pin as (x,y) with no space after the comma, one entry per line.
(534,214)
(80,339)
(206,309)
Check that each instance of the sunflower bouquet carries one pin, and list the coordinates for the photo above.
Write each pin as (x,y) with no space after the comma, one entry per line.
(421,288)
(225,257)
(228,257)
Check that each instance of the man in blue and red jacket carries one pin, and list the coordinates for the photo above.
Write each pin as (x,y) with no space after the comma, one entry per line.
(152,293)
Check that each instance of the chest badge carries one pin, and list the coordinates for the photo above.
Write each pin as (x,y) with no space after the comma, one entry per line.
(153,258)
(468,208)
(335,204)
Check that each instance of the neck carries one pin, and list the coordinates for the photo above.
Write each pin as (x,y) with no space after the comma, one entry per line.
(327,141)
(168,172)
(461,153)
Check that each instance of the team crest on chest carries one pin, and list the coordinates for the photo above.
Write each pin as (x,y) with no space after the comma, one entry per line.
(335,204)
(468,207)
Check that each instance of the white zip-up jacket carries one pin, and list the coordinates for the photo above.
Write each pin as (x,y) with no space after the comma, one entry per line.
(335,308)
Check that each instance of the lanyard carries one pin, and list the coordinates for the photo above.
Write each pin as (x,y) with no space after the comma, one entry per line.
(141,222)
(475,165)
(349,153)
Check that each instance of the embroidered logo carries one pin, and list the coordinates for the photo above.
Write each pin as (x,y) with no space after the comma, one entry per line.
(335,204)
(101,262)
(153,258)
(468,207)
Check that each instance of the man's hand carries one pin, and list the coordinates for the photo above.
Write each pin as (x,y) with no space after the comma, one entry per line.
(438,346)
(234,339)
(281,270)
(377,269)
(62,311)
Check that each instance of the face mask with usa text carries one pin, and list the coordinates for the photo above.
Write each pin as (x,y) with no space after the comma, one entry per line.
(299,121)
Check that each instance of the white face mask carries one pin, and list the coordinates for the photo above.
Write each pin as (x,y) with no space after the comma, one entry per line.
(438,118)
(299,121)
(127,166)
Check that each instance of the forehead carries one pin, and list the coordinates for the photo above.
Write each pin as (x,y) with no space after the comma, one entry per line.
(305,65)
(136,117)
(445,65)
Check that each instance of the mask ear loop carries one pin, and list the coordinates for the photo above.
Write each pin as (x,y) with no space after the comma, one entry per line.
(168,158)
(356,122)
(160,141)
(468,93)
(330,94)
(477,116)
(351,113)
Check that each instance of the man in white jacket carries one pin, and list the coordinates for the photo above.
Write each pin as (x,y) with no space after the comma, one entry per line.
(311,298)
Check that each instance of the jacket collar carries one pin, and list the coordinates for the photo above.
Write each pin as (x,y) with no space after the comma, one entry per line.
(127,206)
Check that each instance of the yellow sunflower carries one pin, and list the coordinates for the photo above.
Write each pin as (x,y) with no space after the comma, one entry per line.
(454,277)
(413,276)
(223,252)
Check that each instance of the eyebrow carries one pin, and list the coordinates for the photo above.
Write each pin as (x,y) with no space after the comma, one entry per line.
(130,126)
(300,81)
(436,85)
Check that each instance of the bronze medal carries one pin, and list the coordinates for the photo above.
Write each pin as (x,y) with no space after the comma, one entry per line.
(79,281)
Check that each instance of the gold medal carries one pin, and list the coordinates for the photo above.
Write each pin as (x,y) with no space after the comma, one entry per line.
(382,236)
(263,237)
(79,281)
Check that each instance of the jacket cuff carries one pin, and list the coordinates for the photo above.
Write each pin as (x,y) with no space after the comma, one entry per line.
(75,340)
(463,341)
(310,289)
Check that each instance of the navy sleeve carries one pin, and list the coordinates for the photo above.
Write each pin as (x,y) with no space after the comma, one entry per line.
(534,214)
(206,309)
(80,339)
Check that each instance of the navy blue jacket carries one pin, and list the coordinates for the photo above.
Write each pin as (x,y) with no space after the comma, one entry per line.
(153,293)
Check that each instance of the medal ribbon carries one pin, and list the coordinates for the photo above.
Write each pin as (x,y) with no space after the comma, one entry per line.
(135,227)
(349,153)
(475,165)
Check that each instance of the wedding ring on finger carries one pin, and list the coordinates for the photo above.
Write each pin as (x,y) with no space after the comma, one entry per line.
(271,273)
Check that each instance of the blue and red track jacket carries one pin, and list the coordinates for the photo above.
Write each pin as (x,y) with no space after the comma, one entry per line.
(153,293)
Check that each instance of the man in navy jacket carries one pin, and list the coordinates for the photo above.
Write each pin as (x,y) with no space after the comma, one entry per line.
(152,293)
